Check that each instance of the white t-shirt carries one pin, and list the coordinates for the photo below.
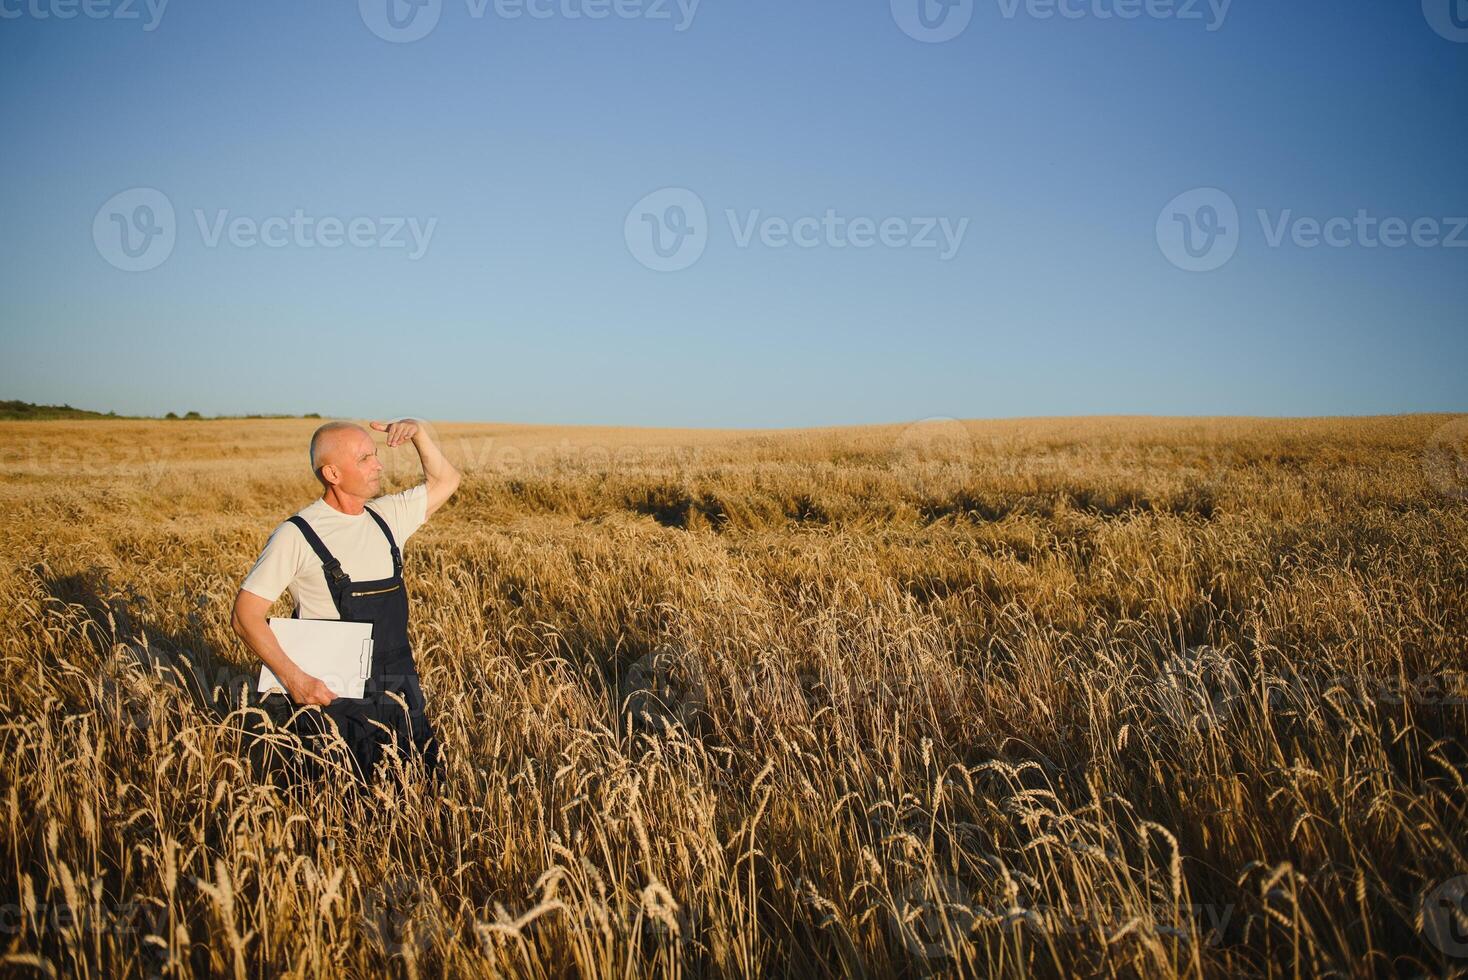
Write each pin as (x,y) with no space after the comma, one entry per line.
(355,540)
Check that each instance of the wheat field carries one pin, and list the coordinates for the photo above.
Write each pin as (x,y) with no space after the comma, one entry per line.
(1098,697)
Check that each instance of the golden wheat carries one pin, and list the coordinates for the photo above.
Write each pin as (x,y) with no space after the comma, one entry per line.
(1122,697)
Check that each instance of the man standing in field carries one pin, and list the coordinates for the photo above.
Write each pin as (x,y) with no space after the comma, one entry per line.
(340,559)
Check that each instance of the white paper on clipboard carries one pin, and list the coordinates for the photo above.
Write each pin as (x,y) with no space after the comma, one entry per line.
(339,654)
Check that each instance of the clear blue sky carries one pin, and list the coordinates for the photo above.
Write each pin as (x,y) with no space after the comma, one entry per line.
(529,140)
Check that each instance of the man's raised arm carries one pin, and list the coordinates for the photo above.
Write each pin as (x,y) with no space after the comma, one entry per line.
(438,472)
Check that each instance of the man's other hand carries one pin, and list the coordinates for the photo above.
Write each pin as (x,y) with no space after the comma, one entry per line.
(306,689)
(398,432)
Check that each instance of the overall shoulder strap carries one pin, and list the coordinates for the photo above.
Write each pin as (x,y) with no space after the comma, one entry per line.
(329,565)
(397,559)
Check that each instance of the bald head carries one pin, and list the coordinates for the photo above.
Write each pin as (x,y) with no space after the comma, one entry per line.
(337,443)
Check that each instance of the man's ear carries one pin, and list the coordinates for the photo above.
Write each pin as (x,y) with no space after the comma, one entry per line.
(330,475)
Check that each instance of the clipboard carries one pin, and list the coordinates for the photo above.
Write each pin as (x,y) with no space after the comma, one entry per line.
(338,653)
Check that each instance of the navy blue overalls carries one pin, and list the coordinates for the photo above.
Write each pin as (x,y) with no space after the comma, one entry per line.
(384,604)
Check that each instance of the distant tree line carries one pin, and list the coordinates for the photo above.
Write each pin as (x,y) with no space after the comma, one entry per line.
(16,410)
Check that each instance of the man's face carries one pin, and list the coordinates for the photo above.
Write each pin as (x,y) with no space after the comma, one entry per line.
(356,462)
